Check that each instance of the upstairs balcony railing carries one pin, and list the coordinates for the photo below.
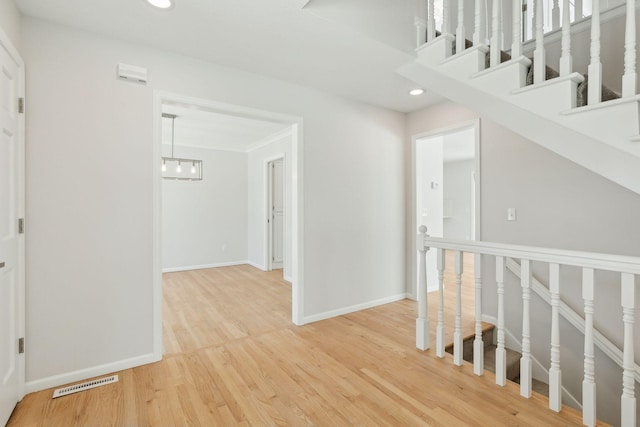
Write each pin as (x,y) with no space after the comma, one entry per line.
(626,269)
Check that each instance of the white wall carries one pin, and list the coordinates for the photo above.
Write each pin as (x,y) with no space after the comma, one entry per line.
(560,205)
(204,223)
(89,195)
(10,21)
(458,191)
(258,159)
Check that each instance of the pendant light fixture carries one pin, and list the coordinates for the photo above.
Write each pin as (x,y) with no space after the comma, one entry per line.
(172,166)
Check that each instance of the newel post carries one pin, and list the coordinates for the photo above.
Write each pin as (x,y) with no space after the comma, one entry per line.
(422,322)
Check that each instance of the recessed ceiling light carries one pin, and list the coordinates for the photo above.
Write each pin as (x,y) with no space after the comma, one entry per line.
(161,4)
(416,92)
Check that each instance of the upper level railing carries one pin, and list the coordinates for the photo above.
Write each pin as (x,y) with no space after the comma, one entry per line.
(626,267)
(532,19)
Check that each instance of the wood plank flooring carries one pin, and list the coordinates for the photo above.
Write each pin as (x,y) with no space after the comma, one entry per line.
(233,358)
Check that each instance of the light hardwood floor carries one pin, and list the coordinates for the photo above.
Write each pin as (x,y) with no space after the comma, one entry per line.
(233,358)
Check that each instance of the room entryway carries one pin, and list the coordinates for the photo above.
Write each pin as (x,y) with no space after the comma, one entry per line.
(228,197)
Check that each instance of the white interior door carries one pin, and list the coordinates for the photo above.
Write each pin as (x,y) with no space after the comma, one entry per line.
(11,242)
(277,214)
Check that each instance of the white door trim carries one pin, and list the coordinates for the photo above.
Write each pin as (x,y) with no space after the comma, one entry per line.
(21,324)
(475,123)
(297,205)
(268,227)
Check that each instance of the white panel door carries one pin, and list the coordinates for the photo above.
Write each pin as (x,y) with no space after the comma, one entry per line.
(277,214)
(10,242)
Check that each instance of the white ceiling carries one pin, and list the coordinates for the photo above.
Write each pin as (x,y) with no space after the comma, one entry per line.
(204,129)
(316,47)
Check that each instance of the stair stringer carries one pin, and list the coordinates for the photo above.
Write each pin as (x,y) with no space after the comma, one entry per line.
(608,161)
(539,372)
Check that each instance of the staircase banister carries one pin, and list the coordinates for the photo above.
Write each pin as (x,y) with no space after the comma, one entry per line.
(598,261)
(602,342)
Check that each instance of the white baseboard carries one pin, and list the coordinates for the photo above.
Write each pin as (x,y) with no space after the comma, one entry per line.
(201,267)
(256,265)
(83,374)
(353,308)
(288,279)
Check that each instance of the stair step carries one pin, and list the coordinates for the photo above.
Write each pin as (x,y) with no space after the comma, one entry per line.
(513,362)
(513,358)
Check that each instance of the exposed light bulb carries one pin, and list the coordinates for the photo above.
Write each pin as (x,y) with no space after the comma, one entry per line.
(178,168)
(193,168)
(164,166)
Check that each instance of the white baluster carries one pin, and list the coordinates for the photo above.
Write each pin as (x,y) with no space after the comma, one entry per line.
(588,383)
(478,344)
(578,11)
(496,33)
(422,322)
(516,42)
(421,31)
(628,403)
(555,374)
(630,78)
(440,325)
(501,353)
(431,21)
(457,332)
(539,60)
(480,33)
(446,17)
(555,15)
(460,31)
(595,66)
(525,361)
(566,62)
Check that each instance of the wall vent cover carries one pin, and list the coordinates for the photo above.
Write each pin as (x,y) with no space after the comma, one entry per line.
(84,386)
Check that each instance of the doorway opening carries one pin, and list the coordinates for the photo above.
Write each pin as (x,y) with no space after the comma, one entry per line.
(446,191)
(276,222)
(222,220)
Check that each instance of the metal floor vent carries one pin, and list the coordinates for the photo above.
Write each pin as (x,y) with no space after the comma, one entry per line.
(84,386)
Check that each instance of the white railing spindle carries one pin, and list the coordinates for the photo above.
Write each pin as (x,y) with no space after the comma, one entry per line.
(431,20)
(478,344)
(588,384)
(578,9)
(457,332)
(422,322)
(440,325)
(630,78)
(555,15)
(496,33)
(525,360)
(555,374)
(539,60)
(480,23)
(501,353)
(628,404)
(516,42)
(460,31)
(446,17)
(566,62)
(595,66)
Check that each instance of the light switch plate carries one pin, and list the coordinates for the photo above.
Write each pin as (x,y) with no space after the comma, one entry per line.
(511,214)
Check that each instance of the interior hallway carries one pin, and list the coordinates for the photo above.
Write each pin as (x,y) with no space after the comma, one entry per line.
(234,358)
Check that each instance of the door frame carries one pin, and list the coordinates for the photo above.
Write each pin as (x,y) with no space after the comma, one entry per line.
(268,226)
(413,230)
(21,297)
(297,202)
